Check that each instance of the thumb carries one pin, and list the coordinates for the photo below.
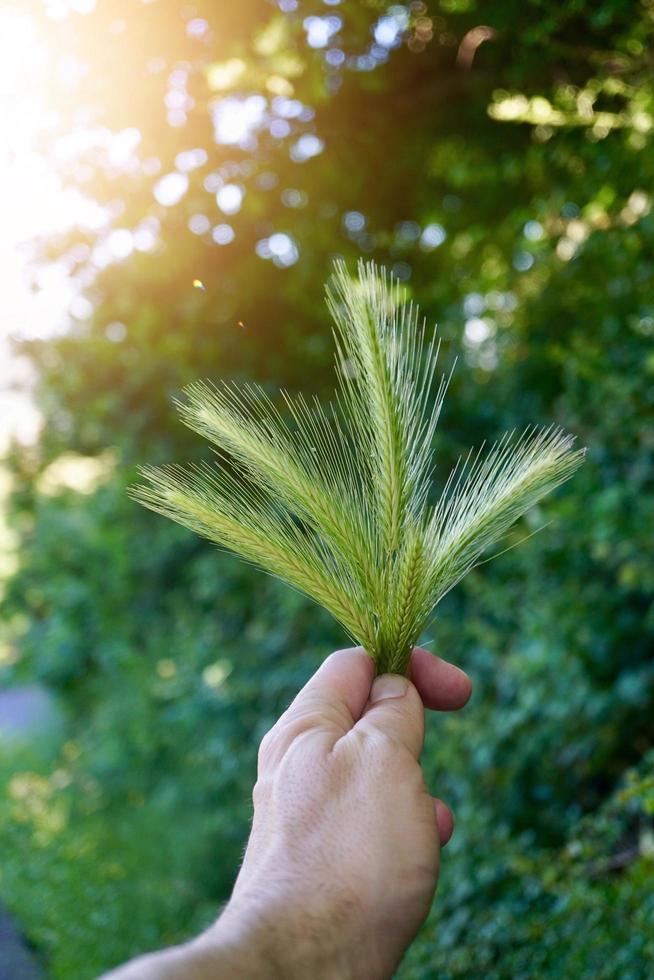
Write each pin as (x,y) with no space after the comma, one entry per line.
(395,709)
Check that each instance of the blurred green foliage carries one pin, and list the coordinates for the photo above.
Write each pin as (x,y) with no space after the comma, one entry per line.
(510,189)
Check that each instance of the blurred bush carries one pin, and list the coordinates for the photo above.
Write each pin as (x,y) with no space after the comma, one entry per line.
(510,190)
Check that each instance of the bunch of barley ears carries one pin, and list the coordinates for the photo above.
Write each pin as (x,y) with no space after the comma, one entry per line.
(335,500)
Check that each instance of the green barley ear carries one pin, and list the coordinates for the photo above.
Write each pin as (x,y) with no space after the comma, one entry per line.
(335,500)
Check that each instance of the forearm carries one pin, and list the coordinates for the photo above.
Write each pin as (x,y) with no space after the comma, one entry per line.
(196,960)
(178,963)
(241,945)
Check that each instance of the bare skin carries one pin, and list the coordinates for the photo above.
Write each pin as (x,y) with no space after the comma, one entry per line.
(342,861)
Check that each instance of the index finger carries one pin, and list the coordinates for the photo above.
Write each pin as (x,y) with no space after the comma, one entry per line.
(330,702)
(441,685)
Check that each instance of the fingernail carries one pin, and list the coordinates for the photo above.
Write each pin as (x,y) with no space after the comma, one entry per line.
(388,686)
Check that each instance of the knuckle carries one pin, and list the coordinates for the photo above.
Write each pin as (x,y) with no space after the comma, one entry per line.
(312,716)
(267,749)
(261,792)
(301,723)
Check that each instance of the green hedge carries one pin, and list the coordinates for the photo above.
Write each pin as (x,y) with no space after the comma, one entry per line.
(170,660)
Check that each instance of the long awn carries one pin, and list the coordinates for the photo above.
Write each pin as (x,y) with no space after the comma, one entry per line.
(335,500)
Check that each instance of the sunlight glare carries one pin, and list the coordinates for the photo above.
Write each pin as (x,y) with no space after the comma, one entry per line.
(33,204)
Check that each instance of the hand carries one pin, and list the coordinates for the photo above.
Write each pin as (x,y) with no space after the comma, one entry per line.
(342,862)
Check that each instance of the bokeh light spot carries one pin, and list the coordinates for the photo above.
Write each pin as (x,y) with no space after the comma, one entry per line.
(321,29)
(432,236)
(229,198)
(235,119)
(306,147)
(223,234)
(120,243)
(199,224)
(171,188)
(523,261)
(115,331)
(280,247)
(476,330)
(197,27)
(354,221)
(533,230)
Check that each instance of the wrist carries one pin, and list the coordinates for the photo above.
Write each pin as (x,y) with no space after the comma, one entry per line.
(275,939)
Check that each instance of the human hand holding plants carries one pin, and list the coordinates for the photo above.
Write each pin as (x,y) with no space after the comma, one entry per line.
(342,861)
(337,501)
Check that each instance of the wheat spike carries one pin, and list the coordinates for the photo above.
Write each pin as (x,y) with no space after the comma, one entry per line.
(335,500)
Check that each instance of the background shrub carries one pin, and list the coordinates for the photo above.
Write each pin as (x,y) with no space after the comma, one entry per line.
(512,194)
